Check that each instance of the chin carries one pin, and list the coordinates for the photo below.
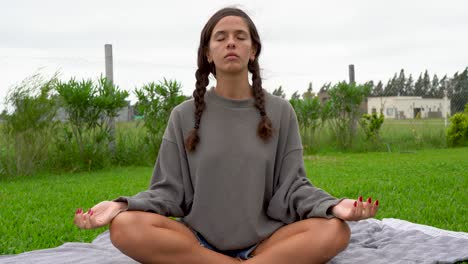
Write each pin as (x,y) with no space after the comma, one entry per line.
(233,70)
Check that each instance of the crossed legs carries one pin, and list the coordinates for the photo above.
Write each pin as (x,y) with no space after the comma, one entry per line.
(152,238)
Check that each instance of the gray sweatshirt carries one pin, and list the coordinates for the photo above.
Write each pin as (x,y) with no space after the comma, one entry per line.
(235,189)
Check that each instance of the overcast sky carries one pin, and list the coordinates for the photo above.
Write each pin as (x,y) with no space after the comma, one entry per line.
(303,41)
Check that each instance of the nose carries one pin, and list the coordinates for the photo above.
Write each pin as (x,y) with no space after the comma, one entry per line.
(231,43)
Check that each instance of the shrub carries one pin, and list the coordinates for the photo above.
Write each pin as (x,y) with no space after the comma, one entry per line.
(343,111)
(155,103)
(310,118)
(371,125)
(457,133)
(30,125)
(90,108)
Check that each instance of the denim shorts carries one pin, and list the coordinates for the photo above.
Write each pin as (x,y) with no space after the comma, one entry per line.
(243,254)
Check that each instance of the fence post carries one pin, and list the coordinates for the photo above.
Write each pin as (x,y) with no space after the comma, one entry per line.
(445,108)
(110,78)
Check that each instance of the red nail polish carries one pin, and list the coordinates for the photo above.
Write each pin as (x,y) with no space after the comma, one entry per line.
(91,213)
(369,200)
(360,199)
(376,202)
(77,211)
(355,203)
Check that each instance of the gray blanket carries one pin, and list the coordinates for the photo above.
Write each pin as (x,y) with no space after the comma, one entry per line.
(372,241)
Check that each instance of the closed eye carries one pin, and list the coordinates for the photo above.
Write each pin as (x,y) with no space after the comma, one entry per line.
(241,36)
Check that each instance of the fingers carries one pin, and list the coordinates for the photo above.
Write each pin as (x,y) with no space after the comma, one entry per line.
(84,220)
(365,209)
(375,208)
(77,220)
(359,209)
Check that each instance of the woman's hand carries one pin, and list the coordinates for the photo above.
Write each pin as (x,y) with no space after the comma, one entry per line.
(100,215)
(355,210)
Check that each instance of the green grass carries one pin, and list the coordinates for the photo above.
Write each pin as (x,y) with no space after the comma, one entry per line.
(427,187)
(37,212)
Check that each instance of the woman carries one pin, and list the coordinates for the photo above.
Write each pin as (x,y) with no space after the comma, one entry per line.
(230,167)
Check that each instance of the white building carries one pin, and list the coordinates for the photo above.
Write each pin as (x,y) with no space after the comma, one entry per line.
(403,107)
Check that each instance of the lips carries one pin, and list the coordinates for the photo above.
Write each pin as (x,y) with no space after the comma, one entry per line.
(231,54)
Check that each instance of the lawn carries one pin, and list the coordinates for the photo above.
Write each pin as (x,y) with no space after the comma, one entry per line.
(427,187)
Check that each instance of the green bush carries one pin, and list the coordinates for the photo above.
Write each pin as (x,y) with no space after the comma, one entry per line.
(371,125)
(90,109)
(310,118)
(29,127)
(155,103)
(343,111)
(457,133)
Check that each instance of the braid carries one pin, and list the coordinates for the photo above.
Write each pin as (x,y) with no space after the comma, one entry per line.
(199,95)
(265,127)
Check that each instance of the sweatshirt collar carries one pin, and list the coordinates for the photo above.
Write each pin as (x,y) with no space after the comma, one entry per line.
(232,103)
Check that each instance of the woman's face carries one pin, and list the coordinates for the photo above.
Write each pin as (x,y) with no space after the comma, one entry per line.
(230,46)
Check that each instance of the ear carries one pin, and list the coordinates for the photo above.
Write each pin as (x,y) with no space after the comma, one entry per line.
(253,52)
(208,56)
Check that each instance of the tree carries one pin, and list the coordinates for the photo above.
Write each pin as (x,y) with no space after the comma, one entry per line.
(409,86)
(418,87)
(444,84)
(459,86)
(89,109)
(400,83)
(435,91)
(155,102)
(378,89)
(279,92)
(343,109)
(295,95)
(426,84)
(3,114)
(371,85)
(391,88)
(309,116)
(325,87)
(309,94)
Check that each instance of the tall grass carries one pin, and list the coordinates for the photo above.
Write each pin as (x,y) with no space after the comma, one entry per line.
(395,136)
(61,153)
(132,147)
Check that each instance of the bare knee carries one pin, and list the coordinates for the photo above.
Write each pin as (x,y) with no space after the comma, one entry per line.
(119,228)
(127,227)
(335,233)
(340,233)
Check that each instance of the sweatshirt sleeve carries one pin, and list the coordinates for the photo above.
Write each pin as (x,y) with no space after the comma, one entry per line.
(294,197)
(165,195)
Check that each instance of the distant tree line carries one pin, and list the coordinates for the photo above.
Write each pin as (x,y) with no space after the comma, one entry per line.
(456,87)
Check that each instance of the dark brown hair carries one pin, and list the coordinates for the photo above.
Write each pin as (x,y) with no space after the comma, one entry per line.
(264,129)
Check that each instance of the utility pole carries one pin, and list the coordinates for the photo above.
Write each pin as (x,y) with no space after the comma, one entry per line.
(351,74)
(110,78)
